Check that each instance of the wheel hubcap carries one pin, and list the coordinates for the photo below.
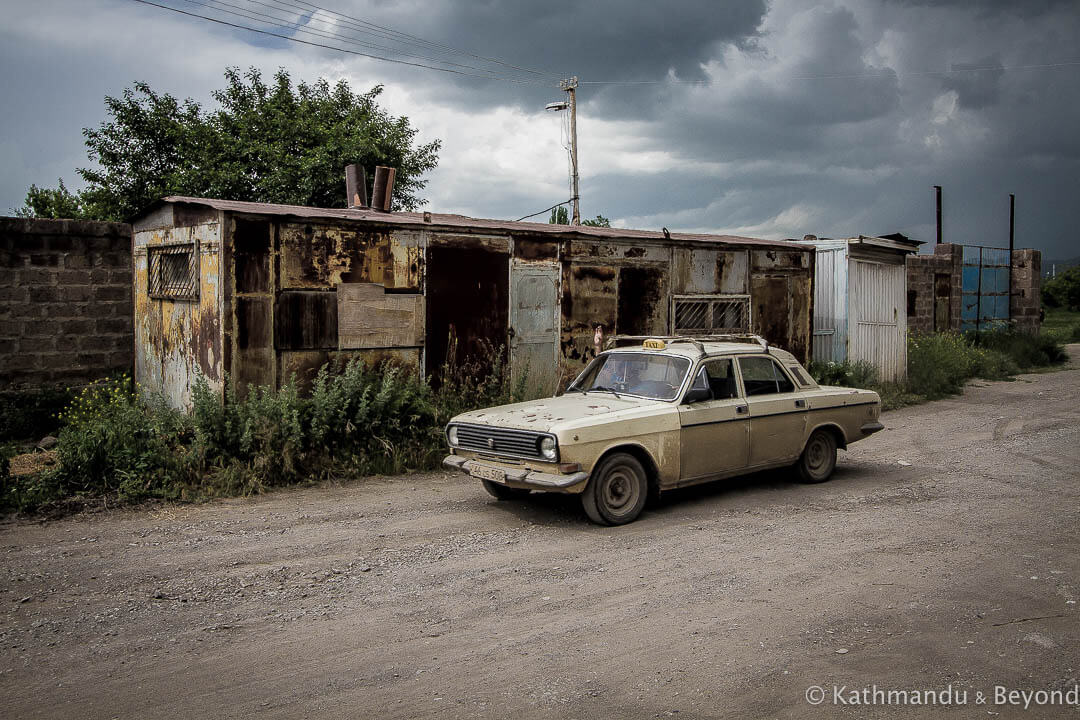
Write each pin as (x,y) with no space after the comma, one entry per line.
(620,492)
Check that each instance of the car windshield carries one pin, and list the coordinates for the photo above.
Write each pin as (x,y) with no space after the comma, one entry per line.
(641,374)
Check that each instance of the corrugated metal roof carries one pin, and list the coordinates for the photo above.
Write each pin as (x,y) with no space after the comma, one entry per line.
(461,222)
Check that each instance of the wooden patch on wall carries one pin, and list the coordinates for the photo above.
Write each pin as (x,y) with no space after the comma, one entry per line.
(368,317)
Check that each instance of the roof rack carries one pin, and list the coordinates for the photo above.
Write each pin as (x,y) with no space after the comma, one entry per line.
(697,340)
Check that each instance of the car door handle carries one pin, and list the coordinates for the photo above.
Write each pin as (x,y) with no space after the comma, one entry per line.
(800,403)
(741,409)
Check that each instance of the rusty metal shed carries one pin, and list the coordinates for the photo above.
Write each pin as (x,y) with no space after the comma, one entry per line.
(258,292)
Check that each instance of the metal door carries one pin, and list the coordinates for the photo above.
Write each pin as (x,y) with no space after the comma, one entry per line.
(880,337)
(534,324)
(942,302)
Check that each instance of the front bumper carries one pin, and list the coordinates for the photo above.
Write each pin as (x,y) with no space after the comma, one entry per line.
(519,476)
(871,427)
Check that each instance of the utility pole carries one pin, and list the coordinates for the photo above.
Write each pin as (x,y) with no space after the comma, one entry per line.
(570,86)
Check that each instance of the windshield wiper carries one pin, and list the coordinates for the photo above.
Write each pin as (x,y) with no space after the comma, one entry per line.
(601,388)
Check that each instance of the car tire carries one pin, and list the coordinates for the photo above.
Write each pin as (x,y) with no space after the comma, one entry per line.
(502,492)
(818,459)
(617,491)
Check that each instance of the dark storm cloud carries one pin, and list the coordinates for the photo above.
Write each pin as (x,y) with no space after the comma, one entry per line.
(830,118)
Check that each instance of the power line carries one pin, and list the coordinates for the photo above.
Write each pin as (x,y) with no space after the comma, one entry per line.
(339,49)
(564,202)
(853,76)
(427,42)
(266,19)
(385,34)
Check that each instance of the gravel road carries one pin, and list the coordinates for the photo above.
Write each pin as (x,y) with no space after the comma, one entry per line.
(944,553)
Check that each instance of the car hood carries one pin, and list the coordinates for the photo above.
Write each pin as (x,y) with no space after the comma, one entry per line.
(542,415)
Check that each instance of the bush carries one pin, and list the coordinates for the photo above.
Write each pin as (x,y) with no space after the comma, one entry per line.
(115,443)
(860,373)
(1022,350)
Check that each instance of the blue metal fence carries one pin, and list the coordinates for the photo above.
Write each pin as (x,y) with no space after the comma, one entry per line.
(985,287)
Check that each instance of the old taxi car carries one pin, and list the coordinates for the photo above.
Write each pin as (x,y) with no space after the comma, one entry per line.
(663,413)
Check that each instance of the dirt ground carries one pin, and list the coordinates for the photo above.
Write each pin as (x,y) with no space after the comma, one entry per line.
(943,553)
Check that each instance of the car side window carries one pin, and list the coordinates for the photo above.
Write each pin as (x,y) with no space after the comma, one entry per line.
(763,376)
(720,375)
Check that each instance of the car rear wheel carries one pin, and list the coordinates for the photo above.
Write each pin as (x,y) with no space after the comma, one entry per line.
(818,458)
(502,492)
(617,491)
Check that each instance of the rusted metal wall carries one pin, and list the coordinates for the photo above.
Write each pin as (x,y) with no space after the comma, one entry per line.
(781,299)
(284,308)
(178,340)
(271,283)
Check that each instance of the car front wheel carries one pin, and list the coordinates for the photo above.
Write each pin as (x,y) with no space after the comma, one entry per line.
(818,458)
(617,491)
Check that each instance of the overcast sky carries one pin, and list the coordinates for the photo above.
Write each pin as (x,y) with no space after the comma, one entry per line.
(770,119)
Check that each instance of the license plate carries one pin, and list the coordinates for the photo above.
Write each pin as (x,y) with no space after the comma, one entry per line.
(487,473)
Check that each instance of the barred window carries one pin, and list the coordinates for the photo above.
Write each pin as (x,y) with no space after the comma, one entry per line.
(174,272)
(710,314)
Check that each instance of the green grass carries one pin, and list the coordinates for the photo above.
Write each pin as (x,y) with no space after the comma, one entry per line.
(940,364)
(1062,325)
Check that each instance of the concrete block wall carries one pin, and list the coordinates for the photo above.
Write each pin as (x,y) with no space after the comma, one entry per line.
(65,301)
(921,273)
(1025,305)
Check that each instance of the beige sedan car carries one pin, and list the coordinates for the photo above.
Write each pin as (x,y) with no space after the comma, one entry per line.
(659,414)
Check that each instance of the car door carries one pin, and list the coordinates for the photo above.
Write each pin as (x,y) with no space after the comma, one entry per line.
(777,411)
(715,432)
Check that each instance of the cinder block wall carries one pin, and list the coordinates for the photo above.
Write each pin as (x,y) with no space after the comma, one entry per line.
(921,273)
(65,301)
(1025,305)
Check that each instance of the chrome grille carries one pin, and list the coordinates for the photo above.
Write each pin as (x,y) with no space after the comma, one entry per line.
(499,441)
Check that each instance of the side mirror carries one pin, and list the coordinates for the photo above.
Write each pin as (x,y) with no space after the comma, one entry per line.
(694,395)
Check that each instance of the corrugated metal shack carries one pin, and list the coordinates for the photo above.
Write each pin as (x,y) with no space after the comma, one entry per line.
(260,292)
(860,310)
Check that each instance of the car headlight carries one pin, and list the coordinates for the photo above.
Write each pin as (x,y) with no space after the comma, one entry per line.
(547,447)
(451,435)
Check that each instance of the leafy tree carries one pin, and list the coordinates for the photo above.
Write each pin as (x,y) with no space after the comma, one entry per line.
(273,142)
(58,202)
(559,216)
(1064,290)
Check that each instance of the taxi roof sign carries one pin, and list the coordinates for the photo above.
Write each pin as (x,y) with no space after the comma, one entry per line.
(654,344)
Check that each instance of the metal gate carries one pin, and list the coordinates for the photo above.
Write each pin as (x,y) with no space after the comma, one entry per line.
(533,323)
(985,287)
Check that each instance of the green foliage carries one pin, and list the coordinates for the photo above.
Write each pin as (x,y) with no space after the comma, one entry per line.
(861,374)
(58,202)
(276,142)
(1023,350)
(1061,325)
(560,216)
(1063,291)
(939,364)
(113,444)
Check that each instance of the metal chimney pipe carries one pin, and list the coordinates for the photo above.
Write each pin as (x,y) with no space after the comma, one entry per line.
(355,186)
(937,191)
(383,188)
(1012,216)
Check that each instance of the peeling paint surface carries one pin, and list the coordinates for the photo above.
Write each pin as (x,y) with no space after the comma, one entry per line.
(176,341)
